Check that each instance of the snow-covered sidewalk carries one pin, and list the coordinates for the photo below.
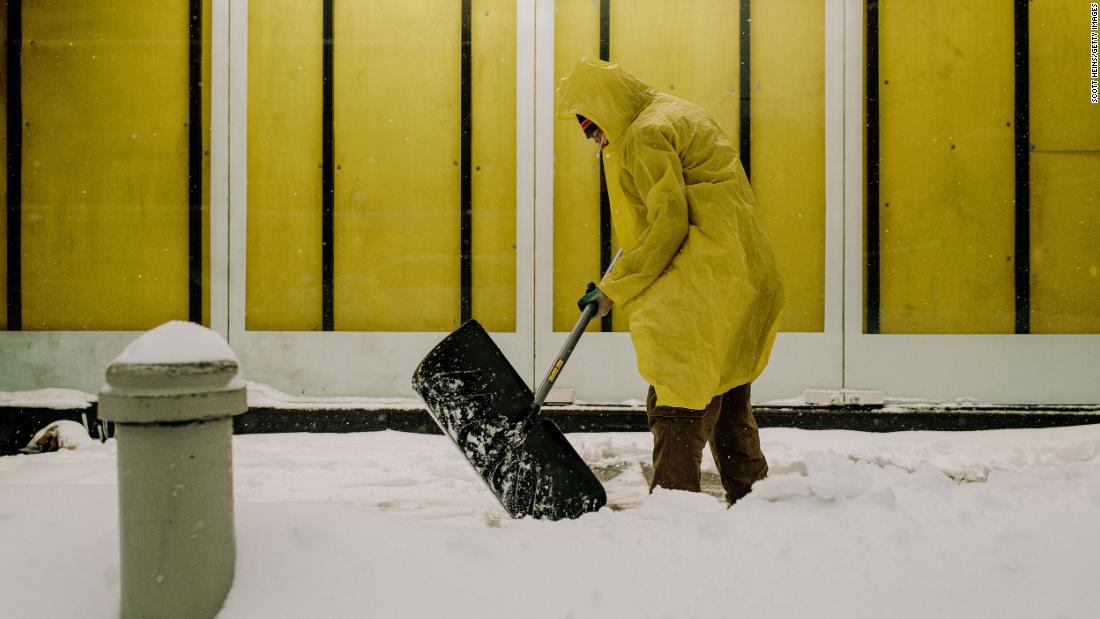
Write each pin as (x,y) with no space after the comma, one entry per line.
(976,524)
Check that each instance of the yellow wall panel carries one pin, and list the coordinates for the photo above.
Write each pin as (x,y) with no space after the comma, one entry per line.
(283,287)
(947,165)
(104,164)
(1065,166)
(687,49)
(397,144)
(1062,116)
(397,202)
(4,177)
(576,171)
(494,157)
(1065,252)
(788,149)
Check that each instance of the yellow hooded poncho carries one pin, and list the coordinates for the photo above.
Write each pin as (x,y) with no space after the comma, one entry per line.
(697,270)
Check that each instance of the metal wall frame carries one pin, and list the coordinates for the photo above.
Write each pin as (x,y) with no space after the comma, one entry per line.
(1019,369)
(1008,369)
(350,362)
(78,359)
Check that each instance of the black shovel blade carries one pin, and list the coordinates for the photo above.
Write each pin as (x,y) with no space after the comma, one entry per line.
(480,402)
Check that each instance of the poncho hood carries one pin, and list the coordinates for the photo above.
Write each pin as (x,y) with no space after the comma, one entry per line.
(605,94)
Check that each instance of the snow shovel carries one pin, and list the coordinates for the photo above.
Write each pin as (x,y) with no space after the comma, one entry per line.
(485,408)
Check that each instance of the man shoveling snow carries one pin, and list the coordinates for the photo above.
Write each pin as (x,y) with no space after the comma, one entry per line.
(697,271)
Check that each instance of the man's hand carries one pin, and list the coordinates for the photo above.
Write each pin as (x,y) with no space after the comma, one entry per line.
(594,295)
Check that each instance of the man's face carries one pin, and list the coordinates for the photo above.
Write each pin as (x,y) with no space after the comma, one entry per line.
(599,138)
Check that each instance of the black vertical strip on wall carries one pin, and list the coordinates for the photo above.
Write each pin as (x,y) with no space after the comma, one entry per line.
(328,178)
(466,183)
(605,29)
(1023,168)
(605,202)
(15,165)
(872,214)
(746,91)
(194,163)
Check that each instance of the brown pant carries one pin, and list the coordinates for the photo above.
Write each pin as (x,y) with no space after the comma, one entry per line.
(679,435)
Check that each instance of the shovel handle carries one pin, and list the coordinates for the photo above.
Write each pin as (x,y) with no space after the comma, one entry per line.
(587,315)
(567,349)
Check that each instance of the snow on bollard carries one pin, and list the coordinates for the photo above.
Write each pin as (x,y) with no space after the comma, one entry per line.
(172,394)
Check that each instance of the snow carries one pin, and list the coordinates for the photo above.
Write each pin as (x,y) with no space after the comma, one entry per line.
(54,399)
(261,395)
(915,524)
(177,341)
(62,434)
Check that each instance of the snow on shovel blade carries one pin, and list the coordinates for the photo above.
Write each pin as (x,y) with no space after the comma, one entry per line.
(480,403)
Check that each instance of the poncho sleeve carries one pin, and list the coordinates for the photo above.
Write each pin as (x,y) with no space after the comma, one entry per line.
(653,175)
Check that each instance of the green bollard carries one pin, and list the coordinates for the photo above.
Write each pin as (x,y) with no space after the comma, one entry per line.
(173,424)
